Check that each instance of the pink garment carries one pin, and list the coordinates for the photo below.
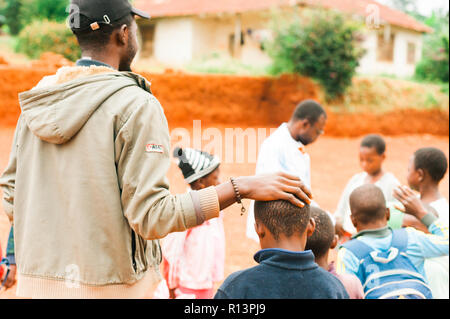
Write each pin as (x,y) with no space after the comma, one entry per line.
(162,292)
(350,282)
(195,258)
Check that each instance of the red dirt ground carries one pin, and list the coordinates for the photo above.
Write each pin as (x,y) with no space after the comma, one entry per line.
(235,101)
(334,161)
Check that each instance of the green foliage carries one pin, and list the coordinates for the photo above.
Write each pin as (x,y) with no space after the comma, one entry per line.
(434,65)
(20,13)
(54,10)
(216,63)
(11,12)
(319,44)
(44,36)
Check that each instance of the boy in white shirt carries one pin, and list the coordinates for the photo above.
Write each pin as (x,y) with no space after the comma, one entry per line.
(426,169)
(372,154)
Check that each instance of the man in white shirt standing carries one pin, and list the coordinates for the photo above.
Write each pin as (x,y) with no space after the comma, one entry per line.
(285,151)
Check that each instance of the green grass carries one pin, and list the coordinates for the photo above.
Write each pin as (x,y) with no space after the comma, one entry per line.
(8,46)
(218,64)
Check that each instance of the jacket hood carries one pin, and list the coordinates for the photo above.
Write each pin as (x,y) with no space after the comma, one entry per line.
(61,104)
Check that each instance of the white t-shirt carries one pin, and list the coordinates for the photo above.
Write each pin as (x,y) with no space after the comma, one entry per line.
(436,269)
(387,184)
(280,153)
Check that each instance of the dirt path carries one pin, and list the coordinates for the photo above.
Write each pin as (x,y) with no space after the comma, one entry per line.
(334,161)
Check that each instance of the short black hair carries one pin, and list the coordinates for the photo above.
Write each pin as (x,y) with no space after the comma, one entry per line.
(282,217)
(376,141)
(323,236)
(98,39)
(310,110)
(368,204)
(433,161)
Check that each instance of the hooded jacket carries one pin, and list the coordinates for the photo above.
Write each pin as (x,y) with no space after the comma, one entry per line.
(86,187)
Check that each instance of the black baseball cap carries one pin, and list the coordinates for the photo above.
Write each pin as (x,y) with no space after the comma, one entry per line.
(100,12)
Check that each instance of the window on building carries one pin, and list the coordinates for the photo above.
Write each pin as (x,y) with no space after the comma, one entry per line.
(385,50)
(411,53)
(148,38)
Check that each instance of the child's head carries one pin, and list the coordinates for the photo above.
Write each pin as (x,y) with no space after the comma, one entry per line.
(372,153)
(368,207)
(200,169)
(324,238)
(427,165)
(278,221)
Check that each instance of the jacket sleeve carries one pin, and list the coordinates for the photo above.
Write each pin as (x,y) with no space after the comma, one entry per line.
(8,178)
(142,161)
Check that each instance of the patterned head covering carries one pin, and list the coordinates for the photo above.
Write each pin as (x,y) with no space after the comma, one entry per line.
(195,164)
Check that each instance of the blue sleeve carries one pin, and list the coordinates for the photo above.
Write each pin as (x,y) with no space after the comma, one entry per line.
(10,248)
(422,246)
(347,263)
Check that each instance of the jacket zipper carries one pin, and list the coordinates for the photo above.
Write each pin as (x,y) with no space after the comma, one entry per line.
(133,249)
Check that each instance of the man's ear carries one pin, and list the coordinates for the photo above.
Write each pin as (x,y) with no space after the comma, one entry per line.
(304,124)
(311,227)
(260,229)
(334,242)
(388,214)
(122,35)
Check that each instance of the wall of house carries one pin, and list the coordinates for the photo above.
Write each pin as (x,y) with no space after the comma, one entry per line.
(399,66)
(173,41)
(213,34)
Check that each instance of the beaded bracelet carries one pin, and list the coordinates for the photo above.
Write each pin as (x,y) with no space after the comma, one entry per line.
(238,195)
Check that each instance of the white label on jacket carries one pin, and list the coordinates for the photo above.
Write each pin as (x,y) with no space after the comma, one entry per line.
(154,148)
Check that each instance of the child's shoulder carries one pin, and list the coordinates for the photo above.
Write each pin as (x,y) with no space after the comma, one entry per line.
(357,178)
(330,282)
(240,276)
(391,177)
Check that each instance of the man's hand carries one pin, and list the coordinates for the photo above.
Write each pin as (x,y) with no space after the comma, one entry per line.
(11,280)
(411,202)
(280,186)
(275,187)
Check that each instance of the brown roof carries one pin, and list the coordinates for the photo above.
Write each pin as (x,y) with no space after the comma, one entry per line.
(167,8)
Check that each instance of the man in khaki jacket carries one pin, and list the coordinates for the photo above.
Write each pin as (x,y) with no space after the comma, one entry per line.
(86,184)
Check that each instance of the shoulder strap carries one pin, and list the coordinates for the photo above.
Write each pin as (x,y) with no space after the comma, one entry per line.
(358,248)
(400,239)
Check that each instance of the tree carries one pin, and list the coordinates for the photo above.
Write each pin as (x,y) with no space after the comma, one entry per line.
(54,10)
(19,13)
(319,44)
(434,65)
(11,13)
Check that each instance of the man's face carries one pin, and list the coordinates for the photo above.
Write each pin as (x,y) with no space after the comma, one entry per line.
(309,133)
(131,48)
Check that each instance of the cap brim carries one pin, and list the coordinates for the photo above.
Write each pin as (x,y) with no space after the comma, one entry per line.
(140,13)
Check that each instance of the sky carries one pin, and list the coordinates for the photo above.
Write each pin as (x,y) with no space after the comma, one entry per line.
(426,6)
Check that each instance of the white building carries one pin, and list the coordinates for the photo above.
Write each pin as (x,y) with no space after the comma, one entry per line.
(183,30)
